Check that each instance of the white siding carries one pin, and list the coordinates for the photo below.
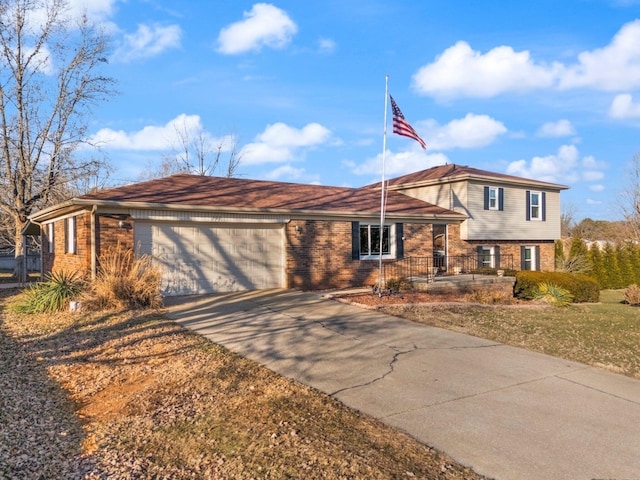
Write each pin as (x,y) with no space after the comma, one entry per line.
(510,223)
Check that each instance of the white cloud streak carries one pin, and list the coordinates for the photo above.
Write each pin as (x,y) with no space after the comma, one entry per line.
(561,128)
(264,25)
(148,41)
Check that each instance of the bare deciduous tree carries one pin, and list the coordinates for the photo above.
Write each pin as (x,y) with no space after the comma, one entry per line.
(630,200)
(49,80)
(196,152)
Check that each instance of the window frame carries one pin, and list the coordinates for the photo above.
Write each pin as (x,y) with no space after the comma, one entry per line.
(51,231)
(498,198)
(533,263)
(70,236)
(535,205)
(394,230)
(484,251)
(495,198)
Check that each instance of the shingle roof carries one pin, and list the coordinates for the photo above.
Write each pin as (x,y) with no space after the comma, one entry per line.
(453,172)
(199,191)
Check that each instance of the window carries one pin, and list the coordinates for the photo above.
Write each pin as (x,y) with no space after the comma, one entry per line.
(536,205)
(493,198)
(50,230)
(70,235)
(488,256)
(530,258)
(366,241)
(485,259)
(370,240)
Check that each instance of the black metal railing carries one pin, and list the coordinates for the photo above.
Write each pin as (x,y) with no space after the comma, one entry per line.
(427,268)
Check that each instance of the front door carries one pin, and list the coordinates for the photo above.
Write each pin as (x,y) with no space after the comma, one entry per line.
(440,247)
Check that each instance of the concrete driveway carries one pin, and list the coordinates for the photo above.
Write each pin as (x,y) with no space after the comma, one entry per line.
(505,412)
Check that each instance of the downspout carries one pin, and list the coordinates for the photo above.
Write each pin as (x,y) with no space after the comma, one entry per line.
(94,249)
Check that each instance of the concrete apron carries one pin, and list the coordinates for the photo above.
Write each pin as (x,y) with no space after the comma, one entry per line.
(503,411)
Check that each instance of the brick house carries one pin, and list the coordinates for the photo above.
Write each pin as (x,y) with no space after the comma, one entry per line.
(213,234)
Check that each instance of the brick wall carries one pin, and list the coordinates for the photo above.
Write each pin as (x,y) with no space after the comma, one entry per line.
(108,232)
(318,255)
(59,260)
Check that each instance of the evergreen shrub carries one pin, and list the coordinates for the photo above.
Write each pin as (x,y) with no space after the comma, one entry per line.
(582,287)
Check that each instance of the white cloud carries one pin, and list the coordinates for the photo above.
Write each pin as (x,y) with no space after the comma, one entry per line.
(327,46)
(397,164)
(281,143)
(264,25)
(596,188)
(472,131)
(552,168)
(591,201)
(148,41)
(565,166)
(285,171)
(97,10)
(614,67)
(623,106)
(561,128)
(461,71)
(155,138)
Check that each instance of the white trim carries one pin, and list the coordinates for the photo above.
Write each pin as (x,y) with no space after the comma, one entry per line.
(392,241)
(204,217)
(538,205)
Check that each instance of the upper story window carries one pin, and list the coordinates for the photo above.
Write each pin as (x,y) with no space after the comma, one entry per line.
(536,205)
(493,198)
(536,211)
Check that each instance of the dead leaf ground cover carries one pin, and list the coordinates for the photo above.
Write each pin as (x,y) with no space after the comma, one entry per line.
(132,395)
(604,334)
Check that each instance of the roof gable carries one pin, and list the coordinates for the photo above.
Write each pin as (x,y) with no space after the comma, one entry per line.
(451,173)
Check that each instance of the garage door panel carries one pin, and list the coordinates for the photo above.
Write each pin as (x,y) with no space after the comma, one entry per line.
(207,258)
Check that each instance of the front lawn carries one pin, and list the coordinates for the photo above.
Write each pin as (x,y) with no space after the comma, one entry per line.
(604,334)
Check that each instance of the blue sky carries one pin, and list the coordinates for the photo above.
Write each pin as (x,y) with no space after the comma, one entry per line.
(542,89)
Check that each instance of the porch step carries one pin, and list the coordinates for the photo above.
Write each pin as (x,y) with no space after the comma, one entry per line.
(462,282)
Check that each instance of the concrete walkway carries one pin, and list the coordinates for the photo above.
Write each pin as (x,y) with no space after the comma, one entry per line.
(505,412)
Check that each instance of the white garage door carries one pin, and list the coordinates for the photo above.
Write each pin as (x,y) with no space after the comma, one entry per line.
(210,258)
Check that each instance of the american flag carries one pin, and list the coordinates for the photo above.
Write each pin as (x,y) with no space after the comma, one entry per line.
(402,127)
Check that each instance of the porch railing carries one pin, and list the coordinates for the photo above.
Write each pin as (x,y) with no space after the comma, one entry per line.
(415,268)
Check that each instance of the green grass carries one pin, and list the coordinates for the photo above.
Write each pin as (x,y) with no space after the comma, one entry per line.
(604,334)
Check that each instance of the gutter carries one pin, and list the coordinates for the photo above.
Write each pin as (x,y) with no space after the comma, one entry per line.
(69,205)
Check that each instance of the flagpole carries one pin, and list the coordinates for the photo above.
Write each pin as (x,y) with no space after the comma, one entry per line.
(382,202)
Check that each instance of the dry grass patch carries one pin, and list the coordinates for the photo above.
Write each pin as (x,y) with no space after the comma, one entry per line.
(160,402)
(604,334)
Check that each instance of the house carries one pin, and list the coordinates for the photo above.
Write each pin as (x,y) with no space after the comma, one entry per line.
(213,234)
(505,215)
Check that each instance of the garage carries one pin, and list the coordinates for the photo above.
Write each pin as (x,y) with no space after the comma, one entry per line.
(212,258)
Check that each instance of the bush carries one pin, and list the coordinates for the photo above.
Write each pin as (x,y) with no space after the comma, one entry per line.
(124,280)
(553,294)
(632,294)
(52,295)
(399,285)
(582,287)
